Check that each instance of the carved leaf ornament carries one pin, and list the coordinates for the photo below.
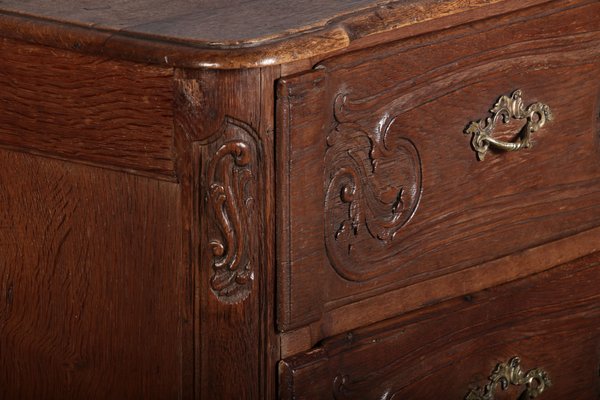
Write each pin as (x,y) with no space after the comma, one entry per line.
(373,187)
(232,175)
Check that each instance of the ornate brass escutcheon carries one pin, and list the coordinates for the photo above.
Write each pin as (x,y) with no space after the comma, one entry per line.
(510,373)
(506,108)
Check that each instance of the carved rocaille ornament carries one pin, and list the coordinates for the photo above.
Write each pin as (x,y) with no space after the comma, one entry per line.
(372,189)
(505,109)
(232,176)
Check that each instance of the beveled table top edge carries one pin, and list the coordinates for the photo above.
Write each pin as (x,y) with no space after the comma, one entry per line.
(404,18)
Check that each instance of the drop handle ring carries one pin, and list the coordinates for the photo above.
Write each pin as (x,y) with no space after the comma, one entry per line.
(505,109)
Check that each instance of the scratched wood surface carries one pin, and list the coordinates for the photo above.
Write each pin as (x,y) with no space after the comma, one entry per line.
(550,320)
(86,108)
(231,34)
(91,283)
(213,21)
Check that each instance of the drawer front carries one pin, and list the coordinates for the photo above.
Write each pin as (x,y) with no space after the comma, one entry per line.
(551,321)
(382,189)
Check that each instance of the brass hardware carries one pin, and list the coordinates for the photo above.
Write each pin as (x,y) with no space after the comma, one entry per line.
(505,374)
(506,108)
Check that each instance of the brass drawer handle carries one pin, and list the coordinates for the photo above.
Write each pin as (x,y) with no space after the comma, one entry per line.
(506,108)
(505,374)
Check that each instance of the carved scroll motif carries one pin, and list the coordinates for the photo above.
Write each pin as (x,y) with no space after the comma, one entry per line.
(232,178)
(373,187)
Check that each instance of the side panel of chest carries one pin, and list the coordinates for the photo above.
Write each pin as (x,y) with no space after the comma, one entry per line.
(92,282)
(87,108)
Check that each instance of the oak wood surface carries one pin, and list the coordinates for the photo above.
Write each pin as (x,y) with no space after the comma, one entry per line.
(224,126)
(85,108)
(213,22)
(91,281)
(151,185)
(550,320)
(236,34)
(399,301)
(383,130)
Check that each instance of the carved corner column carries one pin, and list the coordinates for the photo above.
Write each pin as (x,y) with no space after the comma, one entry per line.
(224,125)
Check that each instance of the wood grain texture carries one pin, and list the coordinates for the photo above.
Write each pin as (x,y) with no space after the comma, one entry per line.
(550,320)
(91,283)
(238,34)
(401,197)
(164,192)
(90,109)
(224,123)
(498,271)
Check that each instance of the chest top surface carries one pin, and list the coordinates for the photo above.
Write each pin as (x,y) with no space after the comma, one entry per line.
(225,34)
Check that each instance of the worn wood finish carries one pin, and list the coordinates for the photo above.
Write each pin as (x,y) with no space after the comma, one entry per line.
(171,174)
(89,109)
(402,197)
(550,320)
(224,123)
(369,310)
(236,34)
(91,282)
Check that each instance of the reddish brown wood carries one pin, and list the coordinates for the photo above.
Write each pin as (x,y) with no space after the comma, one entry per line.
(498,271)
(383,131)
(235,34)
(91,282)
(550,320)
(224,122)
(93,110)
(145,211)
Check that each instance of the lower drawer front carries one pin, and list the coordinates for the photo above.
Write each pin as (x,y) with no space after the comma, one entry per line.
(551,321)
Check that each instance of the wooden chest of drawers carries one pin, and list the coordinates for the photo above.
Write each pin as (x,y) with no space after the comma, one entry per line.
(300,200)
